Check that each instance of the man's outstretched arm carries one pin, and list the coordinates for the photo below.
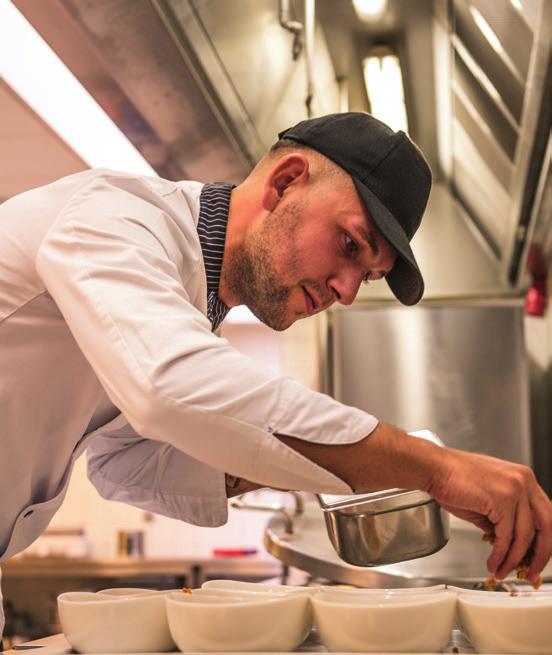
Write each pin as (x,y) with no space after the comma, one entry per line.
(498,496)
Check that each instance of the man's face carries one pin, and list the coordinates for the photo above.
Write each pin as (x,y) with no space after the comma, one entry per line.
(313,249)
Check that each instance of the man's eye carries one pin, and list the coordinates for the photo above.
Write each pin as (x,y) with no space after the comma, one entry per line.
(351,246)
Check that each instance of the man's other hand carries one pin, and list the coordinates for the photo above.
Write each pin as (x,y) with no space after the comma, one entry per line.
(503,499)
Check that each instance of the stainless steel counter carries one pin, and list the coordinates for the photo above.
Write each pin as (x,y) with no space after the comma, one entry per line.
(196,569)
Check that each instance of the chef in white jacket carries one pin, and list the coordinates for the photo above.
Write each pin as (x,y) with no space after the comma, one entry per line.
(112,288)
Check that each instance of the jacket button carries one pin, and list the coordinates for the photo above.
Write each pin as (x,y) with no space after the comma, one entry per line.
(27,513)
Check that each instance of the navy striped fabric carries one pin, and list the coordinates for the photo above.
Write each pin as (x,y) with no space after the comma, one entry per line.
(214,203)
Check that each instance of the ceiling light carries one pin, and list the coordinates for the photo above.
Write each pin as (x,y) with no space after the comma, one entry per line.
(383,80)
(517,4)
(42,80)
(486,30)
(369,10)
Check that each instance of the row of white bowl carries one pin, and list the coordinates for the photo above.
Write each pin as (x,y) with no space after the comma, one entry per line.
(227,616)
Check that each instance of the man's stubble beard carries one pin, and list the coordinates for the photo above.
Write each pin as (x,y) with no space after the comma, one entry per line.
(252,274)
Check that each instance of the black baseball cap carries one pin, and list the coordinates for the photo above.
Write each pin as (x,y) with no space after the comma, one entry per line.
(391,176)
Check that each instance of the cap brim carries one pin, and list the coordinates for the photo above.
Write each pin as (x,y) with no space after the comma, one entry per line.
(404,279)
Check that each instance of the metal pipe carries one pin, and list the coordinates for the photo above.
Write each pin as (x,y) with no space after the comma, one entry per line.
(238,502)
(292,26)
(343,91)
(309,52)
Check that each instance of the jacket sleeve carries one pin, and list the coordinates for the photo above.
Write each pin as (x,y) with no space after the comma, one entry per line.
(156,477)
(121,268)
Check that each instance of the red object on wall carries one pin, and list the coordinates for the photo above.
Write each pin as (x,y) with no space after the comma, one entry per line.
(536,299)
(233,552)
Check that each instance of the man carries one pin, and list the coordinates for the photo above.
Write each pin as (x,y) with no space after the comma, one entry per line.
(111,287)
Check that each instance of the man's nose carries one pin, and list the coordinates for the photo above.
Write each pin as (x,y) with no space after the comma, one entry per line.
(345,287)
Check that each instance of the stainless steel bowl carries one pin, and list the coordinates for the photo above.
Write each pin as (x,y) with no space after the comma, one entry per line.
(384,527)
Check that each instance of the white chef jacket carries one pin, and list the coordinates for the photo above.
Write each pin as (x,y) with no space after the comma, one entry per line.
(105,346)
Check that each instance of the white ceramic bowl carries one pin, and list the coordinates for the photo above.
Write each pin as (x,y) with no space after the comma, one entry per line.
(125,591)
(109,623)
(207,621)
(379,591)
(497,622)
(256,587)
(384,622)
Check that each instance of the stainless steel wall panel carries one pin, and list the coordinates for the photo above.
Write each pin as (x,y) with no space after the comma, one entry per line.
(487,146)
(509,85)
(511,29)
(487,107)
(479,191)
(459,370)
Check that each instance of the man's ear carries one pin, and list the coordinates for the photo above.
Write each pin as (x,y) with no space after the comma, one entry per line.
(289,170)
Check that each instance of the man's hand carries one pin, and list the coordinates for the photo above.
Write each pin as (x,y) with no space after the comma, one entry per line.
(501,498)
(497,496)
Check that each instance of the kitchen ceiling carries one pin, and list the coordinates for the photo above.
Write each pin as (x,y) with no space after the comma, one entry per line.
(23,132)
(201,87)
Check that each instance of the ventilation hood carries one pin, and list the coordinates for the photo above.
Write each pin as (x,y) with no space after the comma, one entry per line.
(202,87)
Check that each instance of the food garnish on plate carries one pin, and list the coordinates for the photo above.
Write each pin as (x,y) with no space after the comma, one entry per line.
(522,569)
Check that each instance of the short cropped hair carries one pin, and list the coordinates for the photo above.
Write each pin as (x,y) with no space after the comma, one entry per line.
(289,143)
(322,166)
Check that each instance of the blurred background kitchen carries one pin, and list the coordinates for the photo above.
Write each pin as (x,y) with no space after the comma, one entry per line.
(198,89)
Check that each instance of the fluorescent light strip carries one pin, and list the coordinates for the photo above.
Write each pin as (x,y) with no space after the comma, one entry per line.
(369,10)
(42,80)
(383,80)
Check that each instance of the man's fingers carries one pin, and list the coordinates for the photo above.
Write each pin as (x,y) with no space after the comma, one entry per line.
(540,557)
(503,532)
(504,500)
(542,546)
(531,533)
(522,538)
